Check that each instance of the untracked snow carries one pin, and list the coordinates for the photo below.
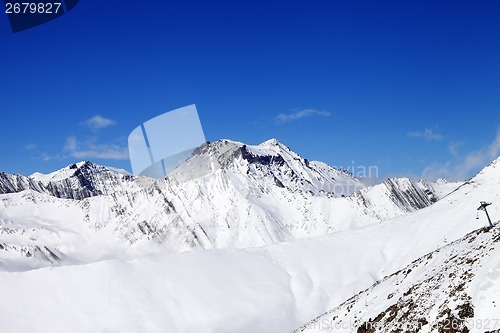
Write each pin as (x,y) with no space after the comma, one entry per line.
(110,262)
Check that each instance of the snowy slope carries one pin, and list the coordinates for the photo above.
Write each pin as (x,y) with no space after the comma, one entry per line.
(409,237)
(455,288)
(275,288)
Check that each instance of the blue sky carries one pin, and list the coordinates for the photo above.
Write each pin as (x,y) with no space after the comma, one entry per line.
(412,87)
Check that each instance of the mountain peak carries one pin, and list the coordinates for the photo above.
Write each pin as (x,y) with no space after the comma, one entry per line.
(66,172)
(269,143)
(80,164)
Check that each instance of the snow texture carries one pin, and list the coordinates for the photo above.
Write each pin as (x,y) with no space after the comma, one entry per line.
(239,239)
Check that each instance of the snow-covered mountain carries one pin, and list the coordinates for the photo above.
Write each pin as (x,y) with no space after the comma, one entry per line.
(227,194)
(270,163)
(76,181)
(275,288)
(101,269)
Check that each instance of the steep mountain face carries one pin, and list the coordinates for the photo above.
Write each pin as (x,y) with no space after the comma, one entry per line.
(270,164)
(394,197)
(227,194)
(452,289)
(17,183)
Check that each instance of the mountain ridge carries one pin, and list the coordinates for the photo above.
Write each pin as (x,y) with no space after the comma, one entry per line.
(227,194)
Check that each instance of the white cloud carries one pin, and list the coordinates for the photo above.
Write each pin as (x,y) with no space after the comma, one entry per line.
(454,146)
(436,170)
(46,157)
(461,169)
(428,134)
(30,146)
(91,150)
(479,158)
(70,144)
(283,118)
(97,122)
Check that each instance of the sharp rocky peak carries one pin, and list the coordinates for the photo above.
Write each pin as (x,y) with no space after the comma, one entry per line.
(227,152)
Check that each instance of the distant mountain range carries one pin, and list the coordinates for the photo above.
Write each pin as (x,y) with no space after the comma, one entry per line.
(227,194)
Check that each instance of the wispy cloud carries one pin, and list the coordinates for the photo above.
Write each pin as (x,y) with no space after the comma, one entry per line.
(46,157)
(98,122)
(71,144)
(454,147)
(305,113)
(30,146)
(479,158)
(35,153)
(90,149)
(471,162)
(428,134)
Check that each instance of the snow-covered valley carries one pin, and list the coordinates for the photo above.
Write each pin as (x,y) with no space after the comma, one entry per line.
(238,239)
